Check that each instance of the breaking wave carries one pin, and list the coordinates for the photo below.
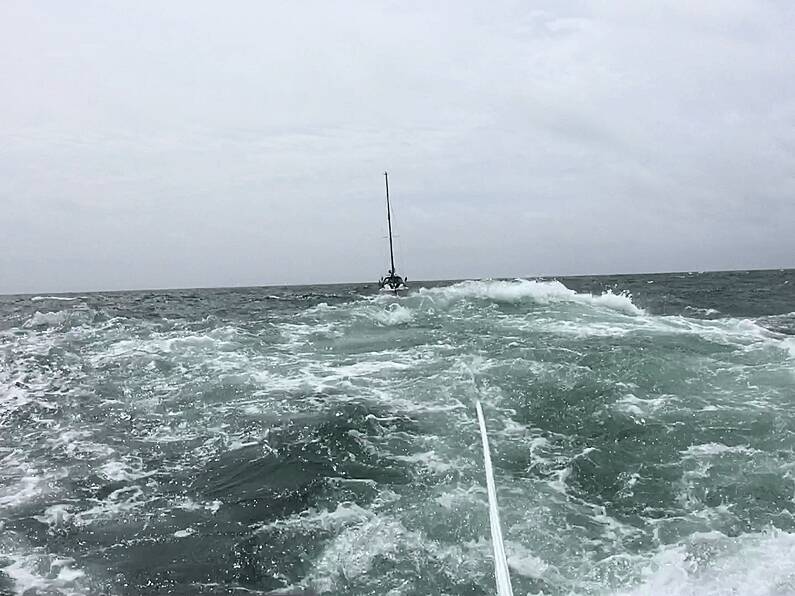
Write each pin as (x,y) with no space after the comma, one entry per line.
(54,298)
(540,292)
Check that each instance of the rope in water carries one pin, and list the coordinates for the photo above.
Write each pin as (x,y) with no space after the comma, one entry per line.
(500,562)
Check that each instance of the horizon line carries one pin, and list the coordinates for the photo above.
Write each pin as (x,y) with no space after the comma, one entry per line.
(343,283)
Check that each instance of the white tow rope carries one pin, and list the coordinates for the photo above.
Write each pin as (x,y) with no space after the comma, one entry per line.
(500,562)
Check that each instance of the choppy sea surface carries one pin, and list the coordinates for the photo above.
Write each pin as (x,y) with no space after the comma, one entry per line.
(323,440)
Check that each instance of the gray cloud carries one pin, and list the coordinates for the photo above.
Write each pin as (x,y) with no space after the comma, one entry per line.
(194,144)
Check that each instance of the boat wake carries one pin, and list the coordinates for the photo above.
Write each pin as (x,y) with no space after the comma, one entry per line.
(324,440)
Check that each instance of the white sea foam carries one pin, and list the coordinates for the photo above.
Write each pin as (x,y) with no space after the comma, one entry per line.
(707,312)
(78,446)
(461,496)
(352,552)
(364,369)
(429,460)
(541,292)
(46,319)
(58,298)
(188,504)
(345,514)
(744,334)
(522,561)
(214,506)
(395,314)
(635,406)
(724,331)
(300,334)
(710,449)
(35,572)
(14,398)
(221,342)
(761,564)
(22,491)
(123,471)
(789,345)
(118,503)
(559,483)
(56,516)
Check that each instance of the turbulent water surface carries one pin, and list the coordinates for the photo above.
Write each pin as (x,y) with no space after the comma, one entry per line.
(323,440)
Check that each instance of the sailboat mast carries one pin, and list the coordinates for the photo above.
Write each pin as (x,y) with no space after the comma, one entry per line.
(389,222)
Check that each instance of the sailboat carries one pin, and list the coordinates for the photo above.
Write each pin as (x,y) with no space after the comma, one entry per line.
(392,282)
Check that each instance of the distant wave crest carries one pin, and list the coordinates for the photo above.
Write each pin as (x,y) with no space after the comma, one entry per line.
(60,298)
(542,292)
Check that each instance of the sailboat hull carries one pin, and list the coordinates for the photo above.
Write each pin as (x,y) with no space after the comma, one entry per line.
(392,283)
(400,288)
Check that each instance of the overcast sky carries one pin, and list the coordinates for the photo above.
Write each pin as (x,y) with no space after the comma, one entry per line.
(185,143)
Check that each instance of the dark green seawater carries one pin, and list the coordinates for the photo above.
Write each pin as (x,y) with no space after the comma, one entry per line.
(323,440)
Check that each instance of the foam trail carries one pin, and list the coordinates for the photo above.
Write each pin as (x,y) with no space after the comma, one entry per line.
(500,562)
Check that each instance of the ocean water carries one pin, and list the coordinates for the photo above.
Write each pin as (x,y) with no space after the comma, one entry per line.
(324,440)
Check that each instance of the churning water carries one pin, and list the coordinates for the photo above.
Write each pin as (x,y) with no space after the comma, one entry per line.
(323,440)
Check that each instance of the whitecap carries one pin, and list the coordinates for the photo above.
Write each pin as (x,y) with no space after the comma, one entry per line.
(709,449)
(34,571)
(523,562)
(55,516)
(23,490)
(396,314)
(712,564)
(346,513)
(428,460)
(352,552)
(59,298)
(541,292)
(46,319)
(123,471)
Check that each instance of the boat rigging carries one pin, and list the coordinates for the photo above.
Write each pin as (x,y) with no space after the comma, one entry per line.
(392,282)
